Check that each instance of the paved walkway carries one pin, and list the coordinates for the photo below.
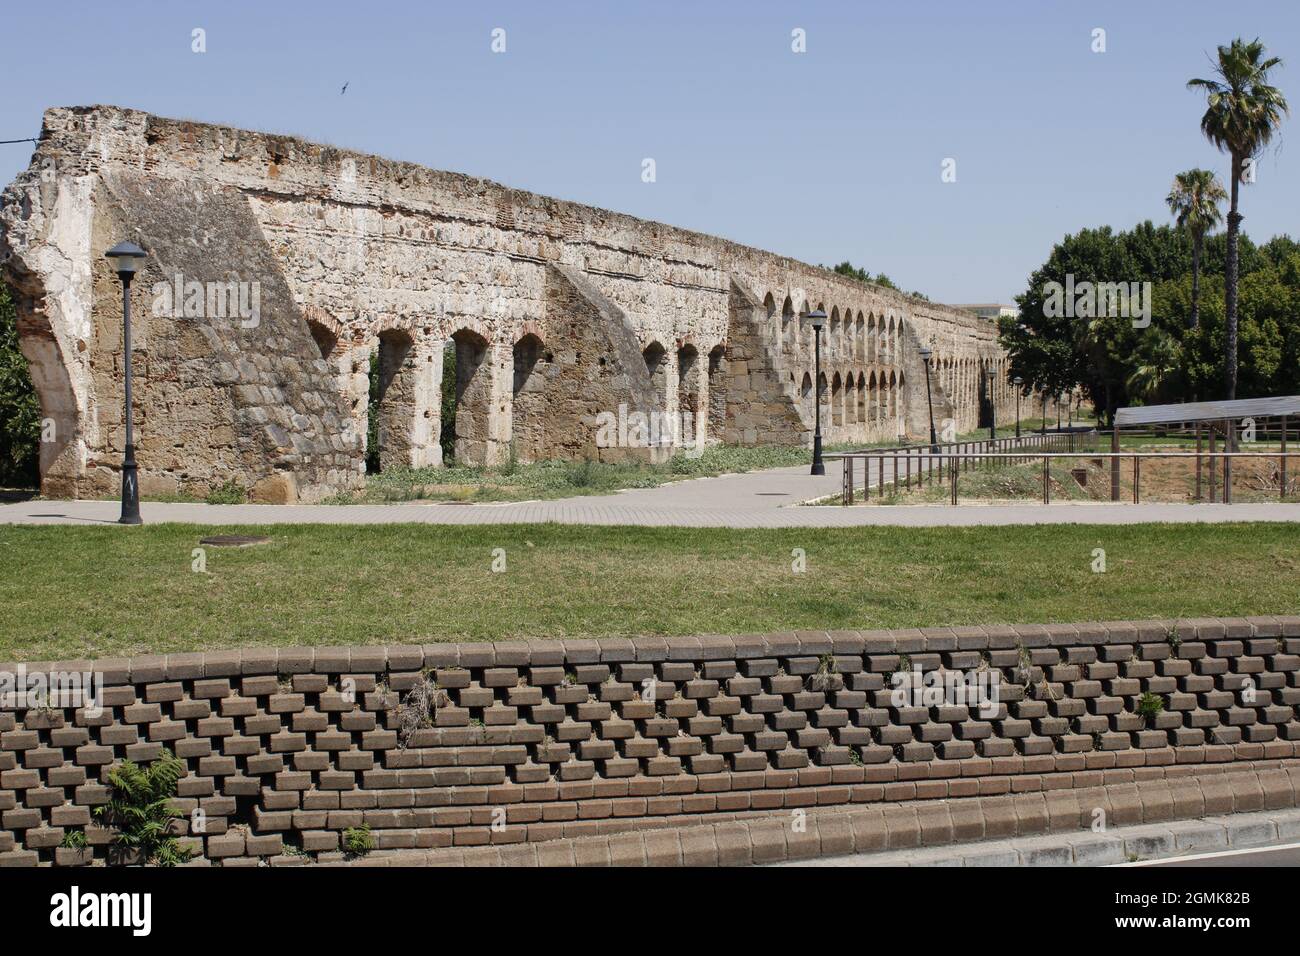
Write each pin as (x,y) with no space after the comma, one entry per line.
(1271,835)
(760,499)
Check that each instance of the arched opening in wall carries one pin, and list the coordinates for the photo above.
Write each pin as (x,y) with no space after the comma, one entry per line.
(688,393)
(325,339)
(892,411)
(718,392)
(527,438)
(656,363)
(860,338)
(837,400)
(20,411)
(771,323)
(873,400)
(806,395)
(466,399)
(391,411)
(889,341)
(985,390)
(824,398)
(789,327)
(900,399)
(862,398)
(831,342)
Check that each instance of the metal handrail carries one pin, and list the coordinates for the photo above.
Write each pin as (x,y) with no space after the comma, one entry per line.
(955,459)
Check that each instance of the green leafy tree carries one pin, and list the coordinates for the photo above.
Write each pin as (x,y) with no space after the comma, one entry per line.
(20,414)
(1243,111)
(848,269)
(1194,203)
(1054,353)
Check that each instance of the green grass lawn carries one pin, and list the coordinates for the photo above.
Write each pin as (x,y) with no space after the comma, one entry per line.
(73,592)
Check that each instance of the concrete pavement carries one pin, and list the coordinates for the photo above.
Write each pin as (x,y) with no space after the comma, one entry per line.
(759,499)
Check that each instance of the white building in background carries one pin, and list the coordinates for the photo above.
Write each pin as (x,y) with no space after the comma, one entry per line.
(990,311)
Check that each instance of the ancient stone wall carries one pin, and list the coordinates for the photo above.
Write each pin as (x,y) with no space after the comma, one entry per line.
(471,744)
(357,256)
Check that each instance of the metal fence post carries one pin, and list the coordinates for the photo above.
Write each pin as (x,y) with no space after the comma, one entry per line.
(1198,461)
(1229,445)
(1281,494)
(1114,464)
(1214,468)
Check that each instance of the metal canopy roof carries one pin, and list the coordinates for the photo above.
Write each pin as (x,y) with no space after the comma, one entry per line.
(1208,411)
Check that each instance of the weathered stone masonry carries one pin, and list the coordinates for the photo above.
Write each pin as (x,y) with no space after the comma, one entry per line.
(557,312)
(561,738)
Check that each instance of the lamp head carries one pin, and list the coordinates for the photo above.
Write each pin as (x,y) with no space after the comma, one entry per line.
(126,258)
(817,318)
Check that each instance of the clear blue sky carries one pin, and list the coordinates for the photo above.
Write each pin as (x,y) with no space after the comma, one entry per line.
(830,154)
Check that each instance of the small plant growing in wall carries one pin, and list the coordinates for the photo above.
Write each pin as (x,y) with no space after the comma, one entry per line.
(228,493)
(1150,705)
(74,840)
(1173,638)
(358,841)
(824,678)
(419,709)
(140,810)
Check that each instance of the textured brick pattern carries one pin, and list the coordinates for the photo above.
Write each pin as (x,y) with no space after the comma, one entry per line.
(527,742)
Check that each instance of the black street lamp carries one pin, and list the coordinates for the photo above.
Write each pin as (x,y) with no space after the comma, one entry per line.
(817,318)
(1058,410)
(925,360)
(993,406)
(126,257)
(1017,382)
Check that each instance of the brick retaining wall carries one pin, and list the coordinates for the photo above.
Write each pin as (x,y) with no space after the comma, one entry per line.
(526,742)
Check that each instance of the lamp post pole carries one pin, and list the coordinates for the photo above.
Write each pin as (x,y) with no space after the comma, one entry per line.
(929,402)
(1044,429)
(126,257)
(1017,382)
(818,318)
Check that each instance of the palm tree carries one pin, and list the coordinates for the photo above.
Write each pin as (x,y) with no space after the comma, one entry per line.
(1194,203)
(1242,113)
(1158,367)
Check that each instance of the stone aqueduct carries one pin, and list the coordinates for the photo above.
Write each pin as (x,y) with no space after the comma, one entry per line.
(557,312)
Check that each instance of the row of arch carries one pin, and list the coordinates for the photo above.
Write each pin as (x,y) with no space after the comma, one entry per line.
(418,412)
(698,389)
(864,337)
(857,399)
(964,380)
